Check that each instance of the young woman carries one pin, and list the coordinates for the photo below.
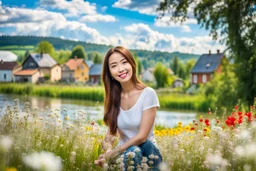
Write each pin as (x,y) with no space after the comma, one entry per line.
(129,112)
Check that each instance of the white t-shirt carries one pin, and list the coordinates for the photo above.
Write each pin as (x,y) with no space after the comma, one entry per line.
(128,121)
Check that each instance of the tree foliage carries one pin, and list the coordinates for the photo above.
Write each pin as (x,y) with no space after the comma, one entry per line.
(232,19)
(79,52)
(45,47)
(97,59)
(221,90)
(161,75)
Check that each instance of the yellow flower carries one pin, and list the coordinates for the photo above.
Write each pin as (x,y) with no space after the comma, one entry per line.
(10,169)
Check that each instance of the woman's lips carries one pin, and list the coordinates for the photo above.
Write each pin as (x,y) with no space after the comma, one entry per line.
(123,75)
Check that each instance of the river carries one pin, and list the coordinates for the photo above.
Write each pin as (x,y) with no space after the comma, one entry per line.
(93,109)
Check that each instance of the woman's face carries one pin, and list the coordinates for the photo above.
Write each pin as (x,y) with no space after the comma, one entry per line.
(120,68)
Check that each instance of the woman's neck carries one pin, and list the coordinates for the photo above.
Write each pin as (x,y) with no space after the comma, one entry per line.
(127,88)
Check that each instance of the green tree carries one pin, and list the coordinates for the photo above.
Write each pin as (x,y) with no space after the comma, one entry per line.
(235,21)
(181,71)
(97,59)
(175,65)
(161,75)
(63,56)
(188,66)
(45,47)
(221,90)
(79,52)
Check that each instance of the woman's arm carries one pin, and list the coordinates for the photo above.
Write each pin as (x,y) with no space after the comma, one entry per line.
(147,121)
(108,141)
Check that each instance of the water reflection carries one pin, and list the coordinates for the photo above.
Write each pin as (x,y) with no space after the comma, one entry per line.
(94,110)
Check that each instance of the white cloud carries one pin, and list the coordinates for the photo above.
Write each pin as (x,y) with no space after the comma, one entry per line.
(144,7)
(73,7)
(104,8)
(185,28)
(143,37)
(98,18)
(40,22)
(166,22)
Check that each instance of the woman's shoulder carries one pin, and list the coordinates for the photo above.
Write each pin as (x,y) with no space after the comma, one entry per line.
(149,90)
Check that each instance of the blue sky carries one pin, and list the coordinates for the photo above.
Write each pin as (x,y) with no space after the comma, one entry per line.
(130,23)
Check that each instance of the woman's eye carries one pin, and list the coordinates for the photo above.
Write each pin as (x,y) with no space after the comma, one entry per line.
(124,62)
(113,66)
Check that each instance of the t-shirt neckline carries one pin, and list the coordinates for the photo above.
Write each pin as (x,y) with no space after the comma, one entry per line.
(135,103)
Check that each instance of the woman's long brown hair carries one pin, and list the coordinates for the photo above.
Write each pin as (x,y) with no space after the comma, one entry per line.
(112,99)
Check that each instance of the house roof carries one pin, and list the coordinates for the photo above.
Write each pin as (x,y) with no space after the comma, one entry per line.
(26,72)
(44,60)
(7,56)
(89,63)
(207,63)
(74,63)
(96,69)
(8,65)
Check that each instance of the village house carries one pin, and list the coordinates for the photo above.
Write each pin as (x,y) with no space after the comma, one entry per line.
(147,75)
(39,67)
(7,56)
(7,70)
(75,70)
(95,74)
(206,66)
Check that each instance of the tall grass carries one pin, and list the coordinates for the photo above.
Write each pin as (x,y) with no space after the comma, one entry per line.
(73,92)
(171,102)
(185,102)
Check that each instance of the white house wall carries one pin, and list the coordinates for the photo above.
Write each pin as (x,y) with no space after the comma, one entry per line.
(8,76)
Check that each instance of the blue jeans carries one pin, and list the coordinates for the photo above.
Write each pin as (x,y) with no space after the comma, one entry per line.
(133,157)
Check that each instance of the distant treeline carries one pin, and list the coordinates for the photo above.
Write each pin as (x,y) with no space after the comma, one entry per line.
(62,44)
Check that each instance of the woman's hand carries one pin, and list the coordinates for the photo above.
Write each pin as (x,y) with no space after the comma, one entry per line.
(101,160)
(111,154)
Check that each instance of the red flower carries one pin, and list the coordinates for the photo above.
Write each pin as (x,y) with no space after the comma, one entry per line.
(201,120)
(236,107)
(231,121)
(240,121)
(218,121)
(192,128)
(240,113)
(92,123)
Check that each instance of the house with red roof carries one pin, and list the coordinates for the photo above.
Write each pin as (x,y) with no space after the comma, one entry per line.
(7,71)
(75,70)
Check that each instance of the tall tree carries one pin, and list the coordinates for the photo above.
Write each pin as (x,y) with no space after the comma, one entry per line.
(161,75)
(175,65)
(232,19)
(45,47)
(79,52)
(97,59)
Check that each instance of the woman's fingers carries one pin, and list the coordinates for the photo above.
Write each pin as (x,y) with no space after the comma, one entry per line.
(99,162)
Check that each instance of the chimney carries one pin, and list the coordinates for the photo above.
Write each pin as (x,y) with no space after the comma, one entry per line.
(209,52)
(41,55)
(218,51)
(75,58)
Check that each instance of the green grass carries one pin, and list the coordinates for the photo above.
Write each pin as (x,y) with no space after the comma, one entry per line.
(167,101)
(16,47)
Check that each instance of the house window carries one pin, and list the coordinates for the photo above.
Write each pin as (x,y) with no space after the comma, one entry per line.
(5,76)
(82,73)
(31,64)
(195,79)
(82,67)
(204,78)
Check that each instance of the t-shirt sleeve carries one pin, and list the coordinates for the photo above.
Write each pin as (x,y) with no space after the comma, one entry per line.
(150,99)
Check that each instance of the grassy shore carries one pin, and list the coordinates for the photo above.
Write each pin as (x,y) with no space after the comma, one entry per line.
(167,101)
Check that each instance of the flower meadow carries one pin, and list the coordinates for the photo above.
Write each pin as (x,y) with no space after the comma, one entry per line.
(47,140)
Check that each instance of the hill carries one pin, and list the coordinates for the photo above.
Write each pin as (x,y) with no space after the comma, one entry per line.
(62,44)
